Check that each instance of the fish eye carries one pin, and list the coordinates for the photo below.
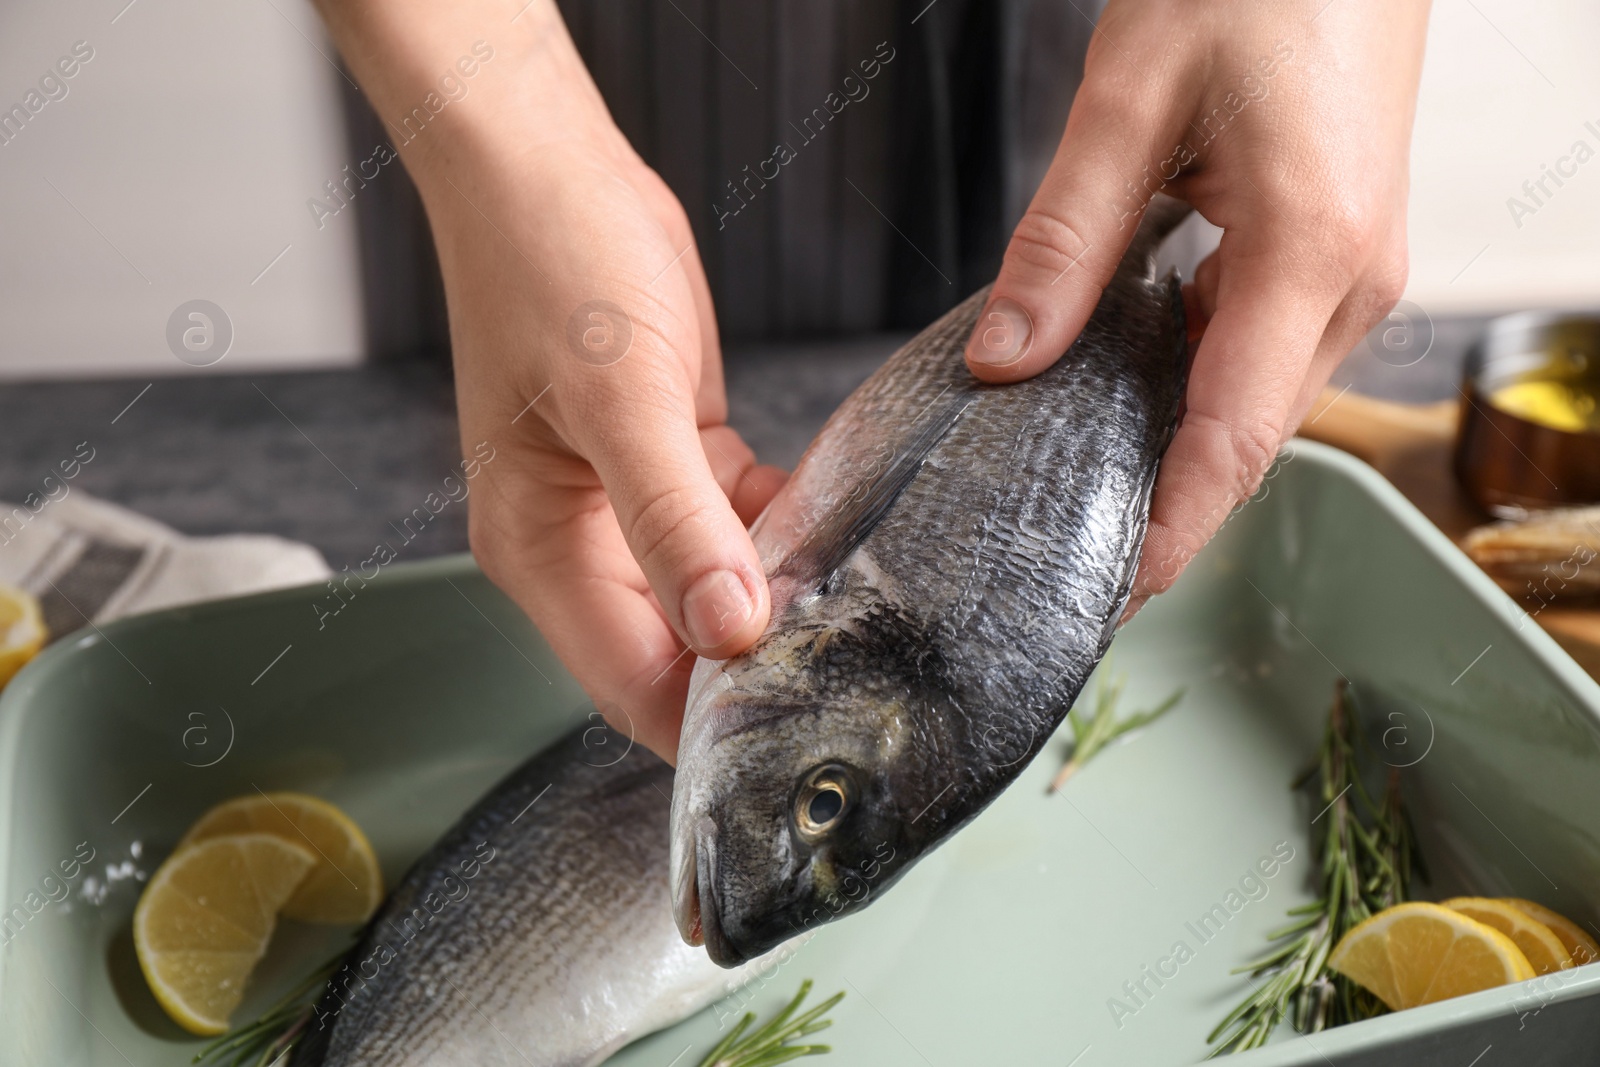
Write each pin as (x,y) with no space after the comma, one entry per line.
(823,799)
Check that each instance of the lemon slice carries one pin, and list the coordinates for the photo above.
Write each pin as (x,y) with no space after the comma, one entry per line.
(1544,950)
(1579,945)
(1414,954)
(22,631)
(205,919)
(346,885)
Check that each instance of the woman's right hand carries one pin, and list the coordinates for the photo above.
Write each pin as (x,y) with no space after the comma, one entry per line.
(586,356)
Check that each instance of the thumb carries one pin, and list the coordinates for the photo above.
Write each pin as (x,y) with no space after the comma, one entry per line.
(681,527)
(1069,243)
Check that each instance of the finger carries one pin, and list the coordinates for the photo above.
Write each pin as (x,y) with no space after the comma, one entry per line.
(610,634)
(1206,275)
(679,523)
(756,490)
(568,568)
(1200,301)
(1366,305)
(1272,313)
(1068,244)
(1195,317)
(749,486)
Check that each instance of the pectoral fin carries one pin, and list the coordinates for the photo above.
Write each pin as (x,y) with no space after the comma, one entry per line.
(841,532)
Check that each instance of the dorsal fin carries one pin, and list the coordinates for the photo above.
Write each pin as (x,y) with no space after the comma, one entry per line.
(839,534)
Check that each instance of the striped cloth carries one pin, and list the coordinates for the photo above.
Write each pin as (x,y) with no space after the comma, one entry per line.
(88,562)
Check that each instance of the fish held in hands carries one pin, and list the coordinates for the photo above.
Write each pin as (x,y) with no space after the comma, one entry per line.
(947,565)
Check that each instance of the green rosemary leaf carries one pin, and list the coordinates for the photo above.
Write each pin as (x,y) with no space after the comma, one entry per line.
(1304,923)
(1272,959)
(772,1043)
(1367,854)
(787,1053)
(1093,731)
(722,1048)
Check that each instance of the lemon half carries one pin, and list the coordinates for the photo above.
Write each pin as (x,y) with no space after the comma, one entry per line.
(1418,953)
(1579,945)
(22,631)
(205,919)
(1544,950)
(346,886)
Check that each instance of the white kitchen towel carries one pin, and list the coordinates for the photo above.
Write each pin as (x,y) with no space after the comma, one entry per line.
(90,561)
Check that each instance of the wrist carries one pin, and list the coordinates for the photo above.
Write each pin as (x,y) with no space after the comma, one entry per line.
(466,96)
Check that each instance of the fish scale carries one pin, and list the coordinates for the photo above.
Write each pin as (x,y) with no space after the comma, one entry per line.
(947,565)
(560,949)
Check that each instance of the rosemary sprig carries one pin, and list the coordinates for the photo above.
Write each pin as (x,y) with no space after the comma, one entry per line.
(1095,731)
(1366,867)
(259,1043)
(770,1044)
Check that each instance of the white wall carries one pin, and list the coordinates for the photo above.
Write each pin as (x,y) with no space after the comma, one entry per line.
(187,147)
(1507,87)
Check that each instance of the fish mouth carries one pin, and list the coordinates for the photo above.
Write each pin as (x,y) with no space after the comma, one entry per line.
(695,900)
(686,892)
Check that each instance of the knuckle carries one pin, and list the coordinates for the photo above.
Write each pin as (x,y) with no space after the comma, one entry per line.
(1117,98)
(1255,446)
(1377,294)
(1244,451)
(1387,290)
(1376,302)
(1113,81)
(1389,282)
(1044,245)
(653,387)
(1163,566)
(1346,225)
(675,218)
(659,531)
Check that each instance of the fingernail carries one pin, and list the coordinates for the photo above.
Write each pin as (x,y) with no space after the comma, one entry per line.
(1003,334)
(715,608)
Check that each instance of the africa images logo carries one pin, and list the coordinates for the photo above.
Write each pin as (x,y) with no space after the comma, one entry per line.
(199,333)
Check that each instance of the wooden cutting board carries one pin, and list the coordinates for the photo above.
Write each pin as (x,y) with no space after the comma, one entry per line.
(1411,446)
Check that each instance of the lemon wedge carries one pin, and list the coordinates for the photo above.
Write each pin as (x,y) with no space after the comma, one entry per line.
(345,886)
(1579,945)
(1417,953)
(205,919)
(22,631)
(1544,950)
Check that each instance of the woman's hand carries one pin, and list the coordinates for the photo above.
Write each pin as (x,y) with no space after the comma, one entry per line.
(1289,126)
(615,512)
(586,354)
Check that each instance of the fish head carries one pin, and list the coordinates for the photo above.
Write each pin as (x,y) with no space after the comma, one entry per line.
(806,785)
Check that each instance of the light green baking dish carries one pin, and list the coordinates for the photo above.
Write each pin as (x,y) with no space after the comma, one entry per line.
(1010,943)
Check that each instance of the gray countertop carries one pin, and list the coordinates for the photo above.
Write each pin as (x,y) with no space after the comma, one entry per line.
(331,458)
